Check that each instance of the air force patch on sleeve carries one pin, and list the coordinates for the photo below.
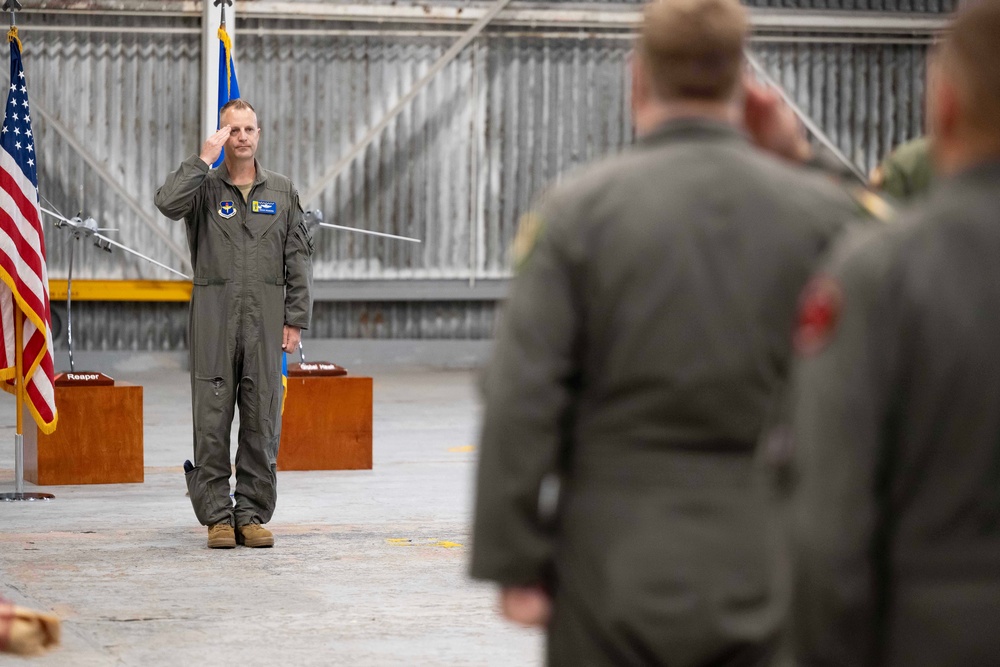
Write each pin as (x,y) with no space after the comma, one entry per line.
(227,209)
(265,207)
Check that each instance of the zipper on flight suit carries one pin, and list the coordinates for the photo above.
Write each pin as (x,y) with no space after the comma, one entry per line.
(246,229)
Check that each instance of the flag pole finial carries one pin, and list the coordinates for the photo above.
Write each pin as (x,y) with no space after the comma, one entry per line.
(224,4)
(13,6)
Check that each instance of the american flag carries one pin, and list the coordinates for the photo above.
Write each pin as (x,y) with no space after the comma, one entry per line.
(25,280)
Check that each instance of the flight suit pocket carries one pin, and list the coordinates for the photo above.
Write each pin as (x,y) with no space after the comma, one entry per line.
(266,224)
(263,402)
(271,254)
(215,253)
(271,411)
(250,405)
(211,351)
(211,403)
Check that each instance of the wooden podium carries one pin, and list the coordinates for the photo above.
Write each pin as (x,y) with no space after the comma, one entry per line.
(327,424)
(98,439)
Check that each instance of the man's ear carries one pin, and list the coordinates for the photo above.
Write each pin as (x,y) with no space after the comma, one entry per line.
(944,102)
(641,91)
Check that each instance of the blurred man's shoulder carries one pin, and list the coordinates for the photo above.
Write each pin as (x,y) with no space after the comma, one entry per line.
(823,194)
(579,187)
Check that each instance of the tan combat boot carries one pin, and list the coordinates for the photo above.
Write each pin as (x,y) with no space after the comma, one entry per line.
(221,536)
(254,535)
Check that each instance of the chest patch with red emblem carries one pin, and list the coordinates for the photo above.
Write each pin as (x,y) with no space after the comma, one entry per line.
(819,314)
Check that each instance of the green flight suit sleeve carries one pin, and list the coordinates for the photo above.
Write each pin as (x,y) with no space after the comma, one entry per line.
(181,194)
(840,401)
(298,268)
(528,392)
(908,171)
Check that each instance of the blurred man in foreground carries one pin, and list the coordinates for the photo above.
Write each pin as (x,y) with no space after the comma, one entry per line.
(646,335)
(896,427)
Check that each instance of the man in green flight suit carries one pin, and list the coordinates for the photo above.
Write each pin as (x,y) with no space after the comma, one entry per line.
(645,338)
(907,172)
(895,429)
(252,259)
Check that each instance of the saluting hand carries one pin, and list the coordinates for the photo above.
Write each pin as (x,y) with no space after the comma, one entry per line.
(771,123)
(212,148)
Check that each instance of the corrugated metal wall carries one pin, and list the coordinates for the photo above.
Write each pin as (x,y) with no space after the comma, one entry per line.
(132,101)
(456,168)
(459,166)
(868,98)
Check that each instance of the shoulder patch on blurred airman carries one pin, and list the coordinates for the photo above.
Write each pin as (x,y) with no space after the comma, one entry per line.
(873,204)
(528,230)
(819,314)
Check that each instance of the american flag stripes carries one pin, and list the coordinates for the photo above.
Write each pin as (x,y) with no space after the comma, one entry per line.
(25,281)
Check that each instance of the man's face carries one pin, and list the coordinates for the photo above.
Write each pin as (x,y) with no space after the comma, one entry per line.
(244,133)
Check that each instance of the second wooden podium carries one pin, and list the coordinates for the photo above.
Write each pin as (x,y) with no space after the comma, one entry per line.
(327,424)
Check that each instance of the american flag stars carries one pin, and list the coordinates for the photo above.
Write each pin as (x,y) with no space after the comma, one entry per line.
(16,136)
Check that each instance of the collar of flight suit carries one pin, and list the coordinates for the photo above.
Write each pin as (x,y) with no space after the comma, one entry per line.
(260,174)
(692,128)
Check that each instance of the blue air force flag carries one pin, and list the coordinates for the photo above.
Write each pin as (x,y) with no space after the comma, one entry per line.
(229,88)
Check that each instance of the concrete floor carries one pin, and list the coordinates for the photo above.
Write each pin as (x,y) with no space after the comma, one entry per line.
(368,567)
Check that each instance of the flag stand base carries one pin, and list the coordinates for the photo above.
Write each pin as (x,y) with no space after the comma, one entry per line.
(24,497)
(19,495)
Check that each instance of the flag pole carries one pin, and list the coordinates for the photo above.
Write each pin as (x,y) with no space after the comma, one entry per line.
(19,396)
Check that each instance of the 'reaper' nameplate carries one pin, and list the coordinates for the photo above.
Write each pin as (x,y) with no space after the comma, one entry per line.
(83,379)
(315,369)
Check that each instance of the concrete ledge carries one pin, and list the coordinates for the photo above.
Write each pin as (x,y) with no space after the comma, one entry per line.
(352,354)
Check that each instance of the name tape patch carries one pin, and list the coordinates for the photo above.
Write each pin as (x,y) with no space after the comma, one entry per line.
(265,207)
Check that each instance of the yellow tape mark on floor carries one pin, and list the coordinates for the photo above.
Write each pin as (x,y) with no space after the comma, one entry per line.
(463,449)
(446,545)
(400,541)
(407,542)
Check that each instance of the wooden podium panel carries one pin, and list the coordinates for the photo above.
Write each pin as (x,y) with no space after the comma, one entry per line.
(98,439)
(327,424)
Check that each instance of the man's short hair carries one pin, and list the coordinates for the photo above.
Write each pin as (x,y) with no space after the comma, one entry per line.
(239,105)
(693,49)
(970,54)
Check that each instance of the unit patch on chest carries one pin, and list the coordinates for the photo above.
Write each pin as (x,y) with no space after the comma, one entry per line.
(265,207)
(227,209)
